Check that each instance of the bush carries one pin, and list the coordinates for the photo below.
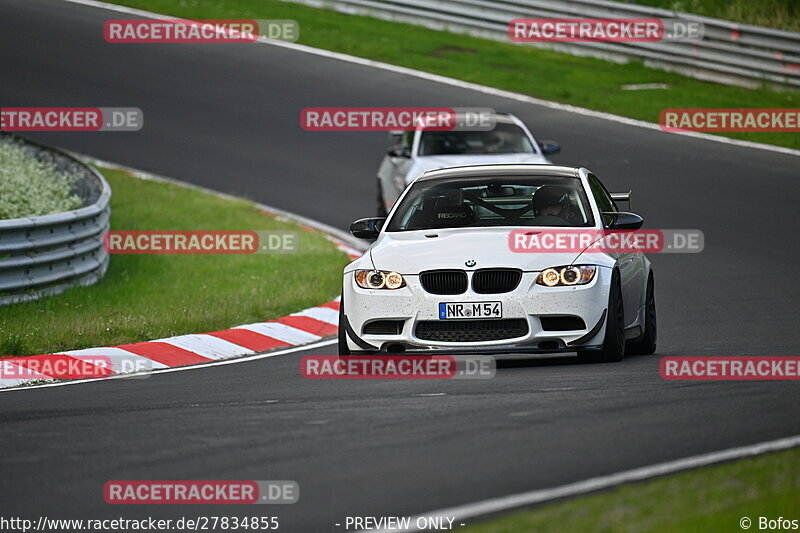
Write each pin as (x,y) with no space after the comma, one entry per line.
(30,187)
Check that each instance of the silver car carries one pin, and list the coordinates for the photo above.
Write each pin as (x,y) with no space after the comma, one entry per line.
(416,152)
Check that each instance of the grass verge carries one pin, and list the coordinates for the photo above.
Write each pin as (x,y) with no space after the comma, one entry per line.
(584,82)
(144,297)
(701,501)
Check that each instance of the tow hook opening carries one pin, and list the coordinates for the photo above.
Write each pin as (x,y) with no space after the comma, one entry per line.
(395,348)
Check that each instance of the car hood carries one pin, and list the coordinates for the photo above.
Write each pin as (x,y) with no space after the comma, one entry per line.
(434,162)
(410,252)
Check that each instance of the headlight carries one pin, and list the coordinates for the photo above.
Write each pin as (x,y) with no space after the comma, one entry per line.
(379,279)
(567,275)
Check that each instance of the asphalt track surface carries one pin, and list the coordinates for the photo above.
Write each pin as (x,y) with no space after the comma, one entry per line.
(227,117)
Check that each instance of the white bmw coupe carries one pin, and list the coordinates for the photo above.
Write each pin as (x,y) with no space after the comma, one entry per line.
(441,276)
(416,152)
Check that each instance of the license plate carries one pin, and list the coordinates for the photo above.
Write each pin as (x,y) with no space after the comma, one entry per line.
(470,310)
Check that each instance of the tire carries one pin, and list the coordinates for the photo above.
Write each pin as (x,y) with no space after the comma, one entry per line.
(344,349)
(381,206)
(646,344)
(614,341)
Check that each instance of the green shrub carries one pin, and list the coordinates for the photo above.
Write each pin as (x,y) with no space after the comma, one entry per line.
(30,187)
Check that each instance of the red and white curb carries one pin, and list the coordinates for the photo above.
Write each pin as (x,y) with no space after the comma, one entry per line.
(299,328)
(303,327)
(351,252)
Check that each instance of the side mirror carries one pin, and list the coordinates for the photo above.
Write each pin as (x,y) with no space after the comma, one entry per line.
(622,220)
(367,228)
(549,147)
(396,136)
(399,151)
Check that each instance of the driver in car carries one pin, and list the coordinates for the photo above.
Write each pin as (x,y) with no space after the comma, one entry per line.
(497,142)
(548,206)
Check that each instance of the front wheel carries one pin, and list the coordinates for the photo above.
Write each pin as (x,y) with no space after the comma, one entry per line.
(646,344)
(614,341)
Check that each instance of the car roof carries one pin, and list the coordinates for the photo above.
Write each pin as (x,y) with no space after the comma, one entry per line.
(503,118)
(501,169)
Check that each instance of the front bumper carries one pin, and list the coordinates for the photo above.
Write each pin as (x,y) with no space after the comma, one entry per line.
(531,302)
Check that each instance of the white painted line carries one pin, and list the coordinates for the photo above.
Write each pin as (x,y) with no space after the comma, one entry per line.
(462,84)
(323,314)
(282,332)
(276,353)
(506,503)
(207,346)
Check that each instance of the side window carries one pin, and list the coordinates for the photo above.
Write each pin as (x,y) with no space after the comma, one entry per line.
(601,196)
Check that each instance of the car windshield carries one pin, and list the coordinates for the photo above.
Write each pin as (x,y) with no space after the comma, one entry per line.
(493,201)
(503,139)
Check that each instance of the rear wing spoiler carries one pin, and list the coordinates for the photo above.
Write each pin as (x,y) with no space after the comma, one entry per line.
(622,197)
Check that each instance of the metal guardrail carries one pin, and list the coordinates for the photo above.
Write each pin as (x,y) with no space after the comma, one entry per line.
(730,53)
(48,254)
